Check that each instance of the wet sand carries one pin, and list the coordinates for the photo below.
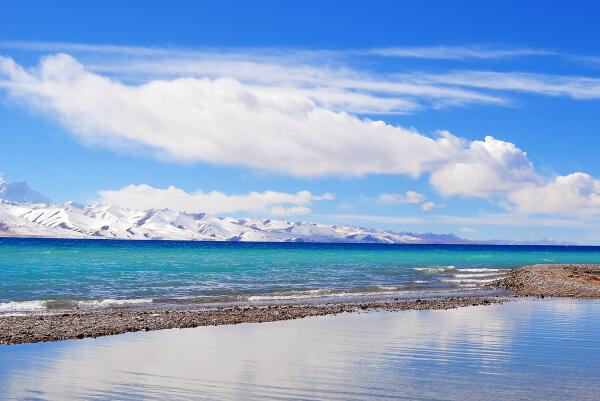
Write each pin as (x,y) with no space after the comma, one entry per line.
(576,281)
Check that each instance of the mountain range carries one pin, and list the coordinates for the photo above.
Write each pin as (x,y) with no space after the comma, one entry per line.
(27,213)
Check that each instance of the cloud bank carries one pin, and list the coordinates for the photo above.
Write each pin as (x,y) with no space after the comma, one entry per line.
(576,194)
(215,202)
(227,122)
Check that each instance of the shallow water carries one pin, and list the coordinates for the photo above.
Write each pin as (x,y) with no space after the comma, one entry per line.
(524,350)
(51,274)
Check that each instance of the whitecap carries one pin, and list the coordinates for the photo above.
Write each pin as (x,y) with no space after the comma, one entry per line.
(105,303)
(22,306)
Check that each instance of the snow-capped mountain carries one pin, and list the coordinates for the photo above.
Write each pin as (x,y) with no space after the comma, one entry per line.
(27,213)
(108,221)
(20,192)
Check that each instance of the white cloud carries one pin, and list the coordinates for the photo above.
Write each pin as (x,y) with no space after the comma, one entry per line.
(332,73)
(215,202)
(337,87)
(487,167)
(224,121)
(427,206)
(407,197)
(576,194)
(324,76)
(467,230)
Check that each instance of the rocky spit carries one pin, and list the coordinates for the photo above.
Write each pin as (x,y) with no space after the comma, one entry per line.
(64,326)
(566,280)
(546,280)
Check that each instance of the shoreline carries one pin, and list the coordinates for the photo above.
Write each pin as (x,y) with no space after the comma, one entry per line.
(564,280)
(77,325)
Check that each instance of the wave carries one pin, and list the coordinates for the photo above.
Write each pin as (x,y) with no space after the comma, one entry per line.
(60,304)
(434,270)
(113,302)
(467,280)
(480,270)
(476,275)
(327,293)
(24,306)
(461,277)
(452,268)
(433,279)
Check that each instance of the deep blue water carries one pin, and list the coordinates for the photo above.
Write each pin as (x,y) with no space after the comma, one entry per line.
(36,274)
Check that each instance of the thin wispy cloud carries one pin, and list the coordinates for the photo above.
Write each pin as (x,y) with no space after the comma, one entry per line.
(576,87)
(332,77)
(407,197)
(508,220)
(423,52)
(459,52)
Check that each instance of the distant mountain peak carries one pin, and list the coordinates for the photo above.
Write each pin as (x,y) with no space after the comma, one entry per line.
(27,213)
(19,192)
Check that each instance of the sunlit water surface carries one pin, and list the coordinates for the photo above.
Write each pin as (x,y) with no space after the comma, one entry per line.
(524,350)
(47,275)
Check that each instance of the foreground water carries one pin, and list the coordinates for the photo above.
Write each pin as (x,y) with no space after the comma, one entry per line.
(54,274)
(524,350)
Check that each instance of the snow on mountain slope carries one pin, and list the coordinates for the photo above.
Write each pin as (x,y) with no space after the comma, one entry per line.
(108,221)
(27,213)
(20,192)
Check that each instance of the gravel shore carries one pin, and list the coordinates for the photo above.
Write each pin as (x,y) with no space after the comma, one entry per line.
(547,280)
(54,327)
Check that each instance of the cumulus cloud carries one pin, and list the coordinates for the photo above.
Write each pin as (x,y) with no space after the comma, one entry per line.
(224,121)
(487,167)
(215,202)
(576,194)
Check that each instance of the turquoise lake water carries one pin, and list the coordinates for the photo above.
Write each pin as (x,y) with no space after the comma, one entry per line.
(46,274)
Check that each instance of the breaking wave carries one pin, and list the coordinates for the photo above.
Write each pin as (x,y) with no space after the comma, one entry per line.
(461,277)
(16,307)
(322,293)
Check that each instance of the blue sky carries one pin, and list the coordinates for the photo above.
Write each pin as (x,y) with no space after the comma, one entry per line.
(272,104)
